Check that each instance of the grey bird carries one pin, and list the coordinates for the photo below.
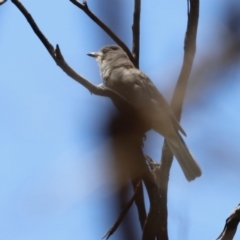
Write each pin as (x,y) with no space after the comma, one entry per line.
(119,74)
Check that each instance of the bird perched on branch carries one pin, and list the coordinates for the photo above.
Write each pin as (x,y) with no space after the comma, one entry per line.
(119,74)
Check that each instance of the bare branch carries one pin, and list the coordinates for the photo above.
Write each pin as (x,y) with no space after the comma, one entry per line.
(123,213)
(231,225)
(135,52)
(35,28)
(84,7)
(176,104)
(141,169)
(58,58)
(136,31)
(189,53)
(139,201)
(56,53)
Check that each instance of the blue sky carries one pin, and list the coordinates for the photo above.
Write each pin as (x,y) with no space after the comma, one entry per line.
(55,182)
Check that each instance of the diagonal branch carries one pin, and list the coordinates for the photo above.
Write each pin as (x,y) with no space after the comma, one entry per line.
(123,213)
(139,201)
(84,7)
(136,31)
(59,59)
(35,28)
(177,104)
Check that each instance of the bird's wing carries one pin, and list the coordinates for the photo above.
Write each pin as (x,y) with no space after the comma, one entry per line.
(150,92)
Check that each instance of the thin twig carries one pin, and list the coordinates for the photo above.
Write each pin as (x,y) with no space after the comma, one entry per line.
(84,7)
(136,31)
(122,214)
(231,225)
(177,104)
(139,201)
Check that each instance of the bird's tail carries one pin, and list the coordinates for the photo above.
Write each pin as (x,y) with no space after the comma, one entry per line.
(187,162)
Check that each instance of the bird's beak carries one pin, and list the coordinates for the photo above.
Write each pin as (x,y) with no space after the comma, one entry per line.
(93,54)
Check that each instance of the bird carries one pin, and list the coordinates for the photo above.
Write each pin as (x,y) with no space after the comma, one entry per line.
(120,75)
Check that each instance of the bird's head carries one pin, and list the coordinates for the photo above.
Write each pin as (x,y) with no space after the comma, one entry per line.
(110,58)
(109,55)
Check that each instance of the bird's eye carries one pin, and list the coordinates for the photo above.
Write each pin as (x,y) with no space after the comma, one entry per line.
(109,48)
(114,48)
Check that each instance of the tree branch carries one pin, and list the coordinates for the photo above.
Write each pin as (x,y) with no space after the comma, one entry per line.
(123,213)
(189,53)
(139,201)
(135,52)
(177,104)
(84,7)
(59,60)
(136,31)
(35,28)
(231,225)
